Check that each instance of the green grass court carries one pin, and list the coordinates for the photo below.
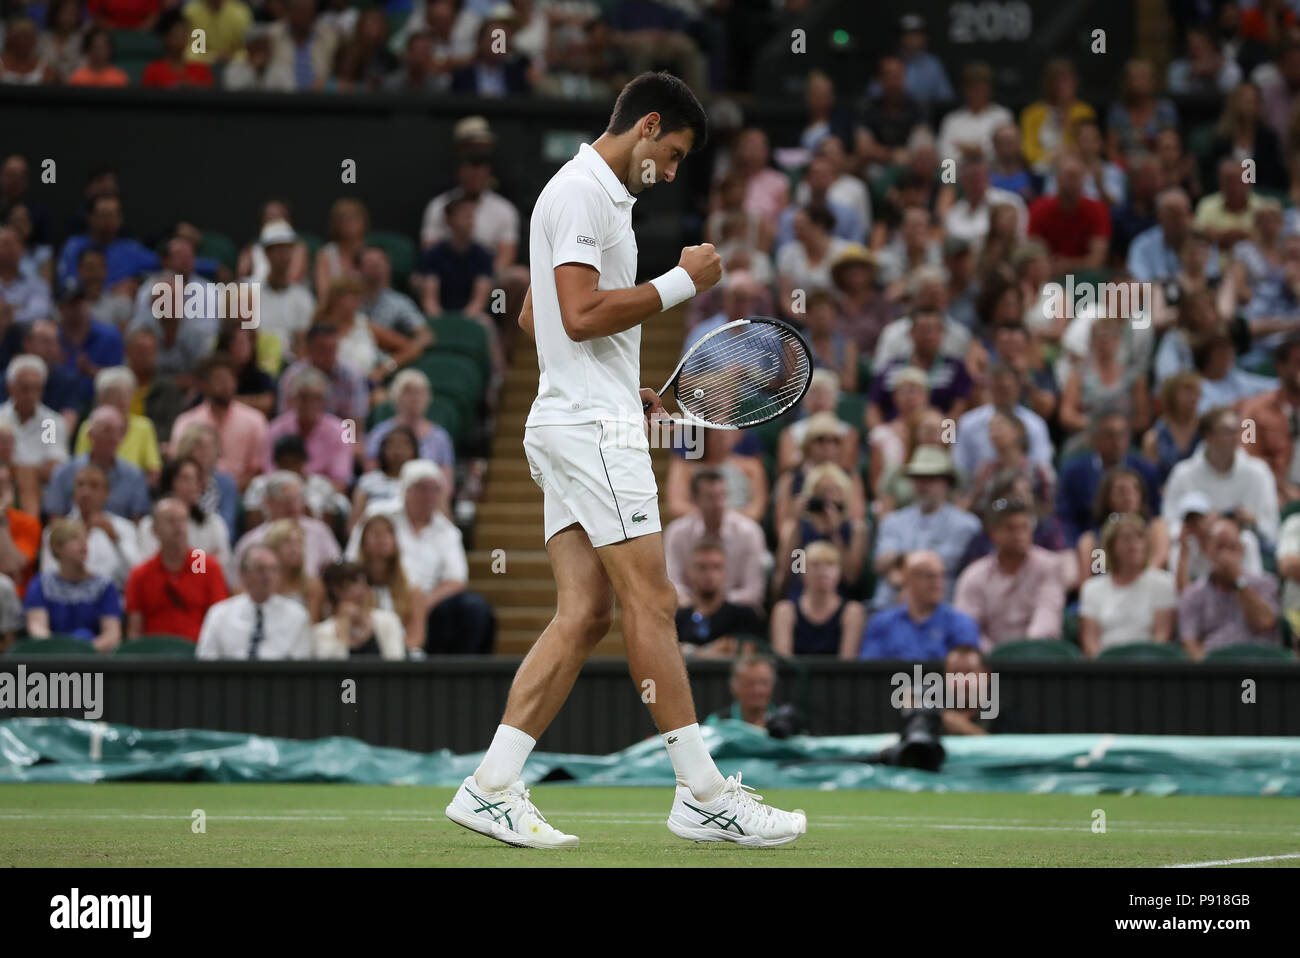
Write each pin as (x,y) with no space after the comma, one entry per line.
(132,825)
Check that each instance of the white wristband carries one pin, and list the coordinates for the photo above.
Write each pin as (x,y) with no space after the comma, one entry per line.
(674,286)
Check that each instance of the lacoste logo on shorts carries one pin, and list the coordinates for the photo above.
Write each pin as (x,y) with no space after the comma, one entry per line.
(638,517)
(587,240)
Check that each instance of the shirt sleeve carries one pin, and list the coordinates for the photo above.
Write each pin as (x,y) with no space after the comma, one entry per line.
(964,630)
(1089,600)
(34,599)
(1049,604)
(208,636)
(110,604)
(573,223)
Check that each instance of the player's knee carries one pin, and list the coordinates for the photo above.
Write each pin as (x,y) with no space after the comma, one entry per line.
(658,600)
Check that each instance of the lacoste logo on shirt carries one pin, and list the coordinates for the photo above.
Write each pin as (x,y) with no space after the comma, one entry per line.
(672,739)
(587,240)
(638,517)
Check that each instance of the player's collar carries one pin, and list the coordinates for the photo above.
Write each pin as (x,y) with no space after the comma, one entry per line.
(596,163)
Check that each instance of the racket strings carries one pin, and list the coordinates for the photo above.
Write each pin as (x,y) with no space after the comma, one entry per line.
(744,376)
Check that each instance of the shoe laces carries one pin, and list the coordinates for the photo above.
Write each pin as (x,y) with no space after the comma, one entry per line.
(521,794)
(749,801)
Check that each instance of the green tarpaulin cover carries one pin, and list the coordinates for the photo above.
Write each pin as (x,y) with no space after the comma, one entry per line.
(72,750)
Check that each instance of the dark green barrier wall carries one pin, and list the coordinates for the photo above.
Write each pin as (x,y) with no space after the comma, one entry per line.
(456,703)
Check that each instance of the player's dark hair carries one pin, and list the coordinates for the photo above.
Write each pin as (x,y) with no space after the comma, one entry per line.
(661,93)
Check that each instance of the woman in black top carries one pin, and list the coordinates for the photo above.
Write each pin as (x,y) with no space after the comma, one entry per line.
(820,621)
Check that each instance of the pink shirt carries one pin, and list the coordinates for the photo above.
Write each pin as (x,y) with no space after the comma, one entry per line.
(329,453)
(1027,605)
(768,194)
(243,437)
(742,540)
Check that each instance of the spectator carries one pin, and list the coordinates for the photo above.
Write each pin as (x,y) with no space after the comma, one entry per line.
(97,69)
(1019,591)
(356,629)
(1153,256)
(893,488)
(822,397)
(328,439)
(1223,382)
(1242,134)
(949,382)
(1075,228)
(1007,169)
(359,351)
(819,177)
(417,72)
(805,262)
(968,217)
(1175,436)
(889,117)
(970,128)
(172,69)
(923,627)
(974,446)
(40,434)
(1047,126)
(258,623)
(912,248)
(286,306)
(931,523)
(823,511)
(889,440)
(1227,607)
(322,499)
(1235,483)
(1010,444)
(825,120)
(254,386)
(60,44)
(1198,320)
(302,45)
(20,532)
(1190,546)
(747,489)
(1104,384)
(1228,216)
(845,189)
(1123,493)
(708,625)
(112,542)
(497,71)
(254,68)
(1136,120)
(433,559)
(1132,600)
(284,500)
(753,681)
(341,257)
(285,538)
(1279,86)
(382,484)
(455,274)
(831,348)
(1203,70)
(740,537)
(823,439)
(864,309)
(1080,476)
(395,320)
(1174,166)
(348,396)
(128,491)
(70,600)
(927,80)
(1136,213)
(767,192)
(243,430)
(28,295)
(820,621)
(224,23)
(1276,416)
(377,553)
(182,480)
(87,345)
(157,397)
(115,386)
(411,396)
(21,61)
(202,443)
(124,258)
(173,592)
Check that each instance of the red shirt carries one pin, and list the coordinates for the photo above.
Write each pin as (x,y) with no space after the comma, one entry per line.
(124,14)
(1068,234)
(162,74)
(174,603)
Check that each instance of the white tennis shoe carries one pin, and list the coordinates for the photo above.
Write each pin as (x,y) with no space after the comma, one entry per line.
(507,814)
(736,815)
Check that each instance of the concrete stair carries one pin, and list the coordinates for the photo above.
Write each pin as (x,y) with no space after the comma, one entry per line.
(508,562)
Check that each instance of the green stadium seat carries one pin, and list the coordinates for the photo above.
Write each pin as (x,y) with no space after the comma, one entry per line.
(447,414)
(401,253)
(220,247)
(385,410)
(1035,650)
(1251,653)
(851,408)
(1144,652)
(313,242)
(455,377)
(167,646)
(1290,509)
(864,374)
(142,45)
(54,645)
(453,333)
(133,67)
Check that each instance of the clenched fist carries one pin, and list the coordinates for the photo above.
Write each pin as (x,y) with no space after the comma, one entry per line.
(704,265)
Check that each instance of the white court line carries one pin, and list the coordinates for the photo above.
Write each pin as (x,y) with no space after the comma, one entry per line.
(1233,861)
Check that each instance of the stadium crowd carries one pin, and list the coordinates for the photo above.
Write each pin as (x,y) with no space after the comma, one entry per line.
(983,457)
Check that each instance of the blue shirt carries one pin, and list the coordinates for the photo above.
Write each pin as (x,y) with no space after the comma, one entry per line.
(128,491)
(123,257)
(973,447)
(1151,259)
(848,225)
(74,608)
(892,634)
(1076,492)
(457,270)
(947,531)
(926,80)
(102,346)
(29,297)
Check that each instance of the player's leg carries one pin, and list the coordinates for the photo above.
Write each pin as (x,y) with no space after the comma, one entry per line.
(706,806)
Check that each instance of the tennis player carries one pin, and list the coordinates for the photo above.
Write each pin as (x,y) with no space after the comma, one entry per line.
(601,503)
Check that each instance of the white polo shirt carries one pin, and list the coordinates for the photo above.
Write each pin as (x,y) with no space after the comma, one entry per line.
(584,215)
(430,557)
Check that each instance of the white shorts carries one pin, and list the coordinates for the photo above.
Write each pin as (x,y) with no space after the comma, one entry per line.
(597,474)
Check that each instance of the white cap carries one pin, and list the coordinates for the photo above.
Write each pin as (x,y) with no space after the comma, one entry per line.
(277,232)
(418,470)
(1193,501)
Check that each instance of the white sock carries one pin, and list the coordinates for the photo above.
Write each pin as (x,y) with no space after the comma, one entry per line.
(504,761)
(692,763)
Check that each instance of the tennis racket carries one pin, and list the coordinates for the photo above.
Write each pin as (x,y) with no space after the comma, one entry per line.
(742,374)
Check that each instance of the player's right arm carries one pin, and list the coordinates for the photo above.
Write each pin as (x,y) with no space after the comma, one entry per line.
(588,312)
